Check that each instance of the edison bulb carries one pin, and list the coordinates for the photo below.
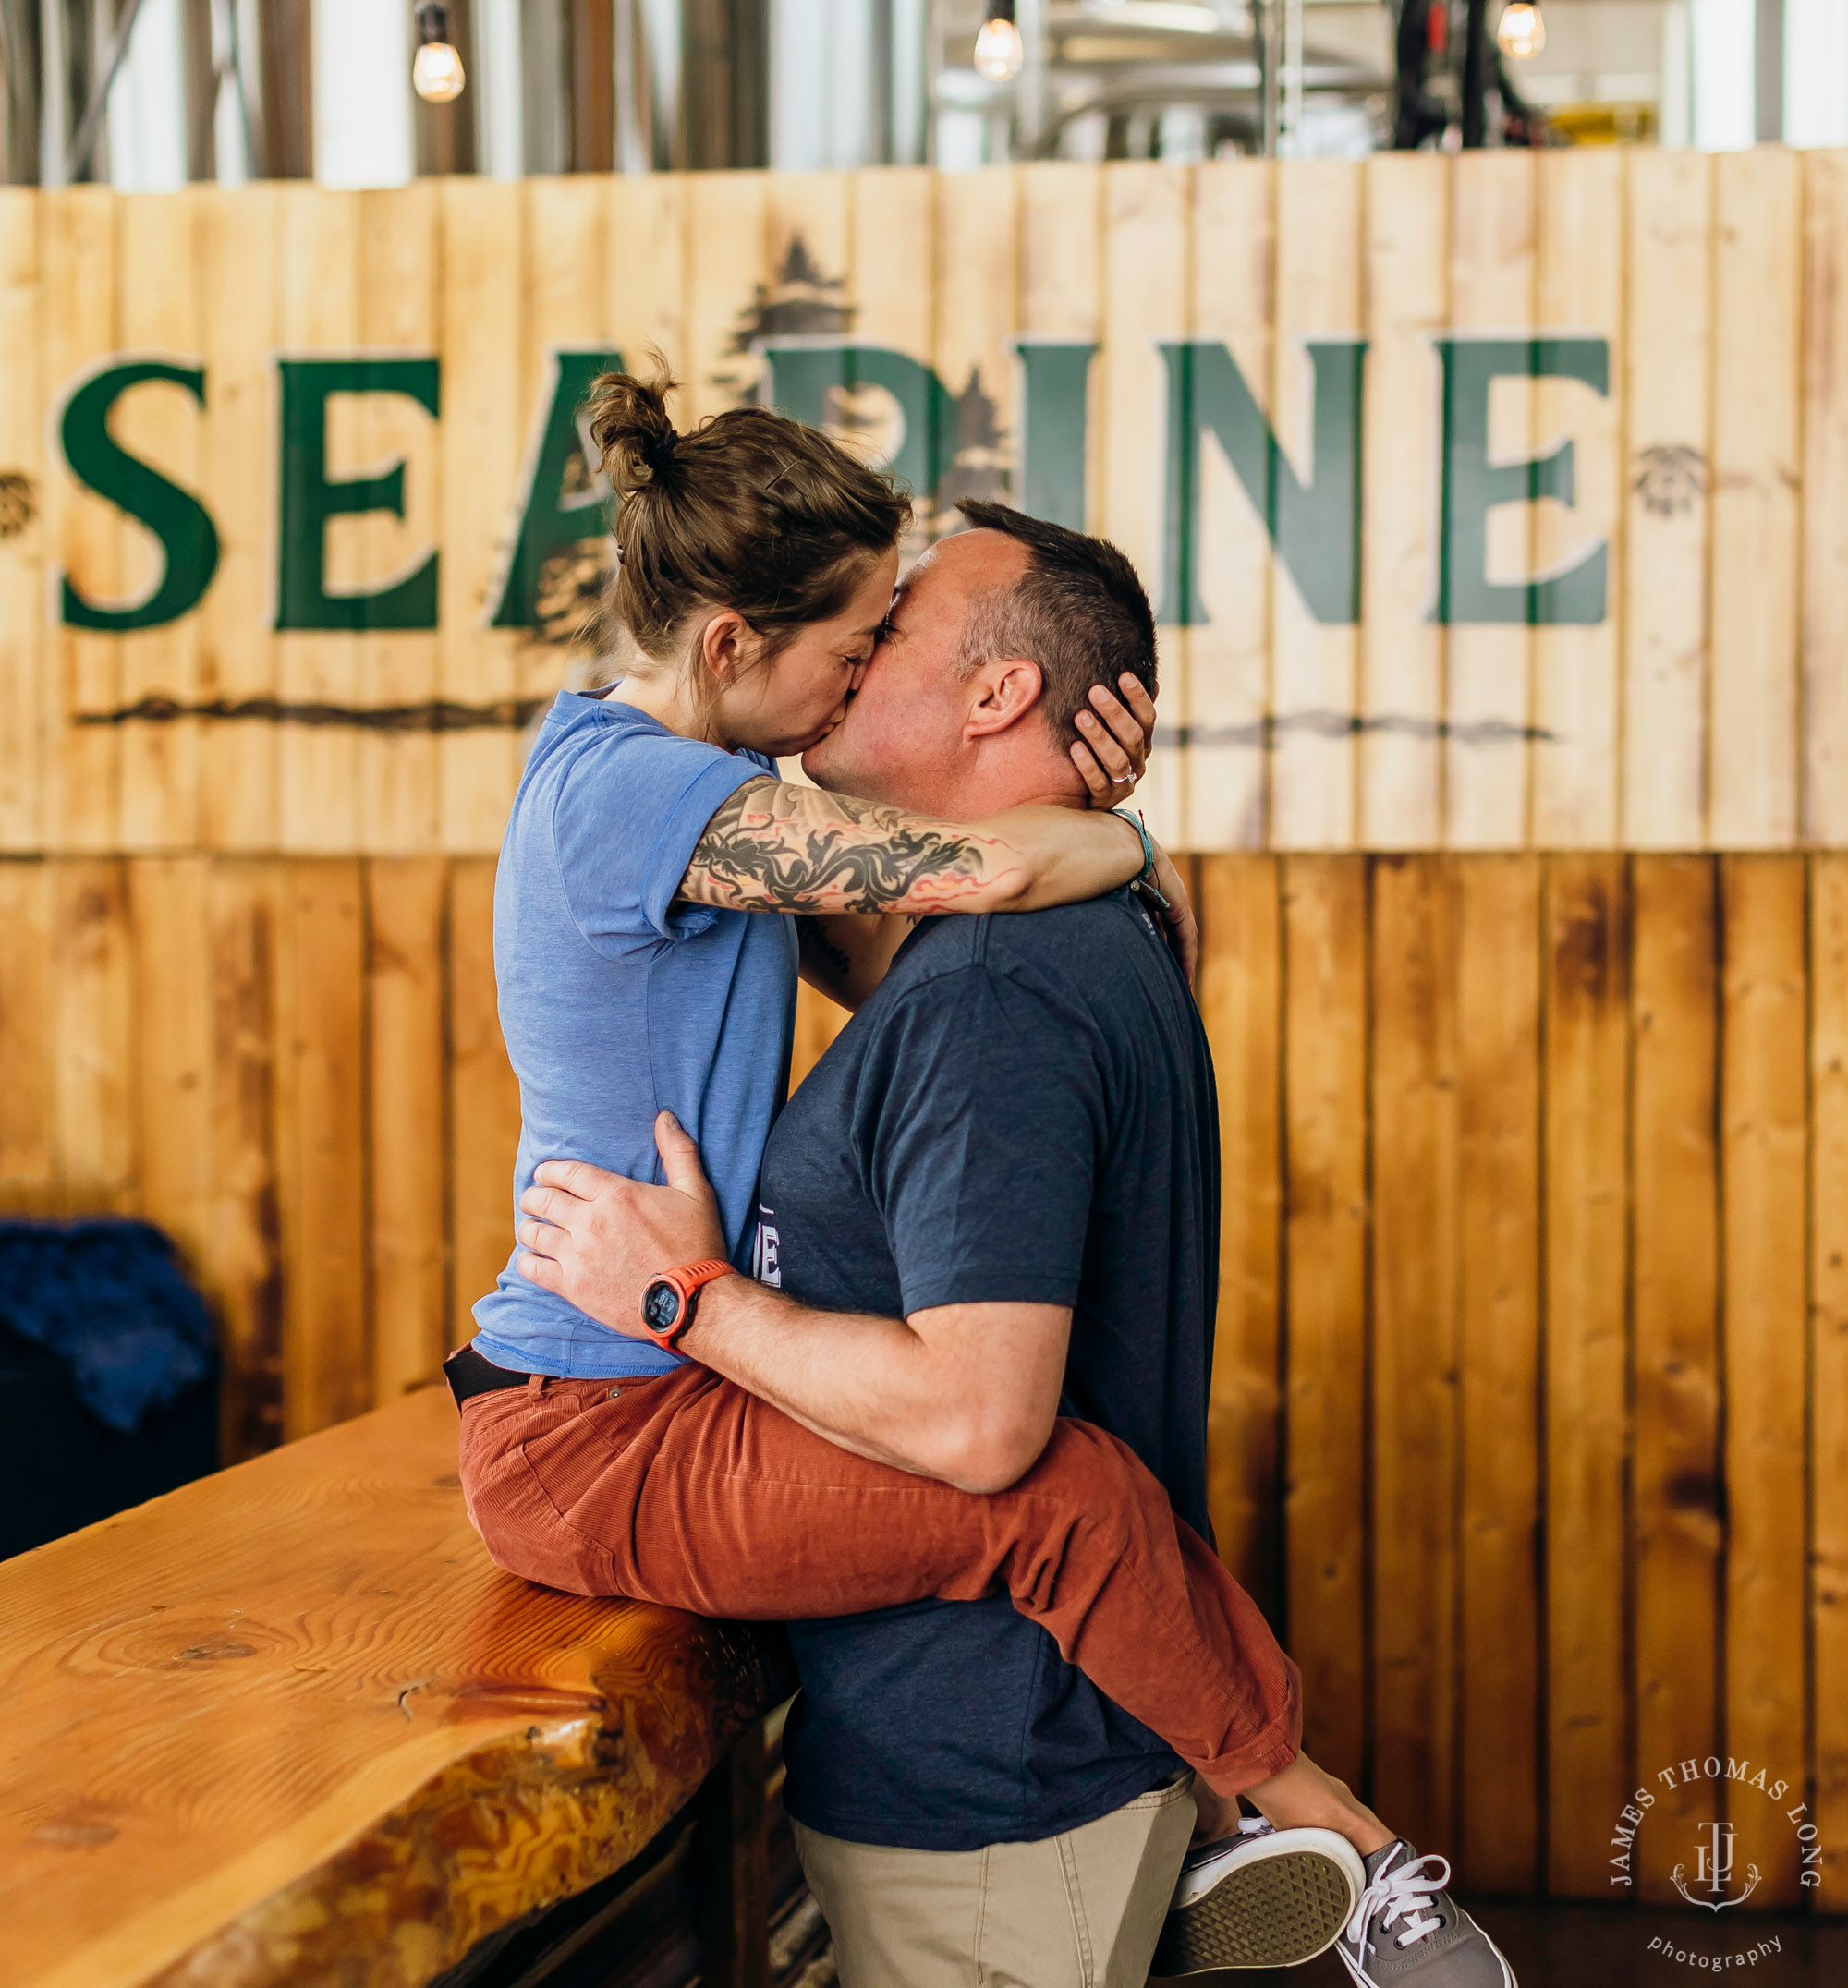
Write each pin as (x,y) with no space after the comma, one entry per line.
(1521,32)
(999,52)
(436,74)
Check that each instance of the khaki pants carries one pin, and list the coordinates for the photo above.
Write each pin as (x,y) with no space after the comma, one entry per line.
(1081,1911)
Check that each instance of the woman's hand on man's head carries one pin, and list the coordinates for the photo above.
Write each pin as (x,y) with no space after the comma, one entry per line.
(1113,755)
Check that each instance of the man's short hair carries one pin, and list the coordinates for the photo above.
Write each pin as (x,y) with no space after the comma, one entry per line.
(1078,610)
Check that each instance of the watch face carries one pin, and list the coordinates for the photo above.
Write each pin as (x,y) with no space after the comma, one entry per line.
(660,1308)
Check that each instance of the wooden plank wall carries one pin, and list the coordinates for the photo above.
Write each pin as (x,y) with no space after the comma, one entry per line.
(293,1066)
(1530,1402)
(1530,1398)
(1528,1418)
(1708,709)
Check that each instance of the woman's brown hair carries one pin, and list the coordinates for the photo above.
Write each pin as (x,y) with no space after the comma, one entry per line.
(750,511)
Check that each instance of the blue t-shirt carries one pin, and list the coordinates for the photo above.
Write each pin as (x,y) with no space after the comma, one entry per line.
(616,1003)
(1024,1111)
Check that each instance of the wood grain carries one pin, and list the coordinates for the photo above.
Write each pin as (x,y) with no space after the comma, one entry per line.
(1412,1546)
(94,1046)
(321,1012)
(1825,498)
(406,904)
(157,310)
(84,534)
(1325,1251)
(1061,251)
(1829,1353)
(1757,289)
(1240,991)
(239,255)
(244,1267)
(1667,364)
(294,1065)
(1763,1136)
(1229,672)
(400,310)
(487,419)
(1146,250)
(1706,710)
(1493,250)
(563,299)
(1586,1281)
(318,308)
(1579,292)
(168,901)
(28,1132)
(289,1724)
(1675,1236)
(727,251)
(1401,647)
(1314,664)
(26,701)
(1499,1658)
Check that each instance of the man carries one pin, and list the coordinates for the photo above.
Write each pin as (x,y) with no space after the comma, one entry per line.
(1016,1141)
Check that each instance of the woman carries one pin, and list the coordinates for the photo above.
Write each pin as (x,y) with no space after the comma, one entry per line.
(756,564)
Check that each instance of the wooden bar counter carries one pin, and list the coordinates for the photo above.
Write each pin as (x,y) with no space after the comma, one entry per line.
(289,1725)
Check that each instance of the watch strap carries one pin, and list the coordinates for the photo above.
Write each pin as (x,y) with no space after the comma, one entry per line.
(688,1278)
(690,1275)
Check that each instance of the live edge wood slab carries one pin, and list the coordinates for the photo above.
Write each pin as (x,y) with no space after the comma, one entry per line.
(290,1725)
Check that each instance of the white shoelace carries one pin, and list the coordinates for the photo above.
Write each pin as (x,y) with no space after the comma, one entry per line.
(1397,1894)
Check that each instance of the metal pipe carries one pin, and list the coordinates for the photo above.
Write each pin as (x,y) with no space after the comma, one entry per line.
(1476,76)
(84,144)
(1269,71)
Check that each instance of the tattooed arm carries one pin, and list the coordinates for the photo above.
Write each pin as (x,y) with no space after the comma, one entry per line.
(775,846)
(845,955)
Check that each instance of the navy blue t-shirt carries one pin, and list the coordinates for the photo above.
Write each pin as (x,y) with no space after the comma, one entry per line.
(1025,1111)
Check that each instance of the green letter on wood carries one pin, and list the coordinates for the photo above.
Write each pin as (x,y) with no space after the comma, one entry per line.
(187,538)
(309,499)
(1473,485)
(552,513)
(1055,374)
(1314,526)
(803,372)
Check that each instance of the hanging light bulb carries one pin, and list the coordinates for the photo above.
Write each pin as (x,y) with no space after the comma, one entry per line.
(1521,32)
(999,51)
(436,72)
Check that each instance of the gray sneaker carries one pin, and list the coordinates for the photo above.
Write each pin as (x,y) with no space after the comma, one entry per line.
(1408,1931)
(1264,1899)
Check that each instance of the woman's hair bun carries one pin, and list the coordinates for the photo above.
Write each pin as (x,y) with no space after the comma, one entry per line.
(748,510)
(627,415)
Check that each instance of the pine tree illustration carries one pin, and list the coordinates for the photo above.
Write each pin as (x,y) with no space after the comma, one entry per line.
(983,462)
(800,303)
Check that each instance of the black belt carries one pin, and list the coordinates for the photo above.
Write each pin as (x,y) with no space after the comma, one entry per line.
(469,1374)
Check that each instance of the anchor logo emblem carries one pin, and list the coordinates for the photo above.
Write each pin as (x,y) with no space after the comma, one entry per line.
(1713,1870)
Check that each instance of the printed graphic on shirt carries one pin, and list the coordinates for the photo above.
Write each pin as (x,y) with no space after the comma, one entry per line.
(767,1250)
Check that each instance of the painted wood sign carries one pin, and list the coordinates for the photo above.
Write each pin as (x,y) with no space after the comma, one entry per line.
(1491,502)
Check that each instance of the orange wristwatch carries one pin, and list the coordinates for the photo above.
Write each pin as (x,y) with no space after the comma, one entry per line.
(668,1304)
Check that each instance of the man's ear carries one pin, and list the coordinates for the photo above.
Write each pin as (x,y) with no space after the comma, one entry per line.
(1001,695)
(727,644)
